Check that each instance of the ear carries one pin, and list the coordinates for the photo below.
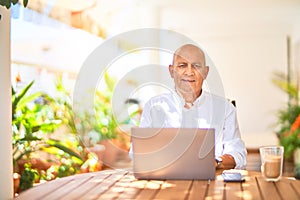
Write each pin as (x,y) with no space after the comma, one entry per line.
(206,72)
(171,71)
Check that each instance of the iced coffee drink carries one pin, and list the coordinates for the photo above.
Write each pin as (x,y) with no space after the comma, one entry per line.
(272,159)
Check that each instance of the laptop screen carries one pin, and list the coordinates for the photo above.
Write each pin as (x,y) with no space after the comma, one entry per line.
(173,153)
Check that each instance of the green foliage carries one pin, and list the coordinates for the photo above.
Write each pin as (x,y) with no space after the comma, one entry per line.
(33,120)
(287,116)
(100,123)
(35,116)
(290,88)
(8,3)
(290,143)
(28,177)
(64,106)
(106,123)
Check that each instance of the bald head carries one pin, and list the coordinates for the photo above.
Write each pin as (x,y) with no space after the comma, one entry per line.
(186,50)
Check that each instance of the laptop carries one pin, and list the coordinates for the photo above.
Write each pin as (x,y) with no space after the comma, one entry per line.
(173,153)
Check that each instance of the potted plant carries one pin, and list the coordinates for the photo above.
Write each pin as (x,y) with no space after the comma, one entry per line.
(101,125)
(83,128)
(288,131)
(33,122)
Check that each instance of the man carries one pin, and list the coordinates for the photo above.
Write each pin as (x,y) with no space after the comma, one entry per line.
(191,106)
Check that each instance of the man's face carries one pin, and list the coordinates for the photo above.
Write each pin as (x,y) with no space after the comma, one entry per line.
(189,70)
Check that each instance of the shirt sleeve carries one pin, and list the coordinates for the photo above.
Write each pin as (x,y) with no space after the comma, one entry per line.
(232,142)
(146,116)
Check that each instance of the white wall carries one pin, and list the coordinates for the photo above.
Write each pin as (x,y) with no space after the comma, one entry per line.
(246,65)
(6,172)
(246,53)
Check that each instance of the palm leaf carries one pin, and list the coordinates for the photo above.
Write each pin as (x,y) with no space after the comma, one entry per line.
(16,98)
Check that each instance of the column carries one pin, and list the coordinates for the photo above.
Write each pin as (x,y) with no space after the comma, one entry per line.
(6,172)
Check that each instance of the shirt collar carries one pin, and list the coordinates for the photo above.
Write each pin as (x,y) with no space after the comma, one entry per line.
(181,100)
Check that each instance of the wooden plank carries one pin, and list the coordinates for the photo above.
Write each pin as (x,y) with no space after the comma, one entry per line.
(285,189)
(178,189)
(151,188)
(233,190)
(90,184)
(43,189)
(215,189)
(133,189)
(296,187)
(267,189)
(118,188)
(198,190)
(104,185)
(250,188)
(71,186)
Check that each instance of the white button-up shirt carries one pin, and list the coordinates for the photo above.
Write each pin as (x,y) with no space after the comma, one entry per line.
(208,111)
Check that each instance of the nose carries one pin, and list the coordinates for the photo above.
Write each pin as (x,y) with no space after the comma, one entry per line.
(190,71)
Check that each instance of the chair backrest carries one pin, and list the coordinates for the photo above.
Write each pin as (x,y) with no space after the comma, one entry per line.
(232,101)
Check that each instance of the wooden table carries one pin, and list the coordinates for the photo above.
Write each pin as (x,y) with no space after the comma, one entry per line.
(121,184)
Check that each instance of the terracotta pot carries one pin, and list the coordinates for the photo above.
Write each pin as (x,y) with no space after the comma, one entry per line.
(110,154)
(36,163)
(16,178)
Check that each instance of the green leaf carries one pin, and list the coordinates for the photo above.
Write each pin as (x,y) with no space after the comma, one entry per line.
(13,91)
(110,82)
(18,97)
(23,92)
(46,127)
(5,3)
(25,2)
(28,138)
(59,145)
(27,178)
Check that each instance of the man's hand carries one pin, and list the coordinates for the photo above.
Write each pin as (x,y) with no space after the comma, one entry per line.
(228,162)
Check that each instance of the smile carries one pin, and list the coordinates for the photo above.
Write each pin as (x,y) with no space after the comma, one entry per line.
(190,81)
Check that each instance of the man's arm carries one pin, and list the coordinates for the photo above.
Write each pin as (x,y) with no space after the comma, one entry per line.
(234,150)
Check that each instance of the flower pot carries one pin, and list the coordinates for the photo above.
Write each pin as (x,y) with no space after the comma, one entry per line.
(16,178)
(35,163)
(110,154)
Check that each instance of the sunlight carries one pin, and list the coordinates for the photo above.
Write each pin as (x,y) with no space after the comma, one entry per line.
(139,184)
(117,189)
(167,185)
(246,195)
(153,184)
(97,180)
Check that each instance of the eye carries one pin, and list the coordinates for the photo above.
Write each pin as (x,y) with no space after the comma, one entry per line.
(197,65)
(182,65)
